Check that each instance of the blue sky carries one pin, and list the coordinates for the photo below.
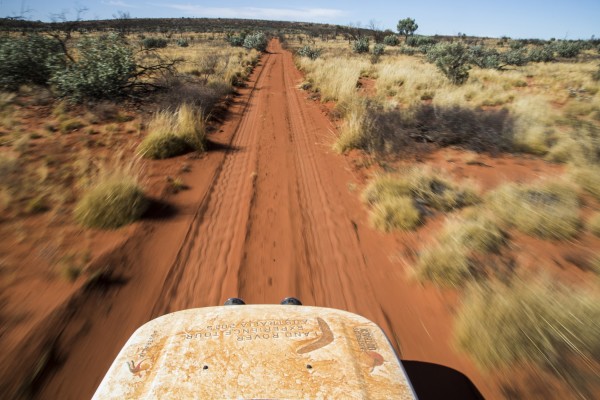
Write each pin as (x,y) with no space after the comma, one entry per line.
(576,19)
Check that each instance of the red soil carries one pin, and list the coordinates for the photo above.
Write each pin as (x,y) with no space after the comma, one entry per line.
(270,213)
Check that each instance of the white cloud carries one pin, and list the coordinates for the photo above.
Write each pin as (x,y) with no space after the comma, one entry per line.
(119,3)
(293,14)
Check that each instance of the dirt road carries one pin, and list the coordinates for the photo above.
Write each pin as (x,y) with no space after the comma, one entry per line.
(270,215)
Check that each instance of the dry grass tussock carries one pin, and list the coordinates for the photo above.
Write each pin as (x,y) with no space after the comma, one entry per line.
(450,262)
(536,323)
(115,198)
(428,187)
(400,201)
(334,78)
(395,213)
(545,209)
(588,177)
(174,133)
(593,224)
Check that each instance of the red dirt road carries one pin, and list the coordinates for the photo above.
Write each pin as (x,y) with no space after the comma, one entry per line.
(269,215)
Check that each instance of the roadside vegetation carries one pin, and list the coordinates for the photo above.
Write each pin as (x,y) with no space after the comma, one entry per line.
(491,99)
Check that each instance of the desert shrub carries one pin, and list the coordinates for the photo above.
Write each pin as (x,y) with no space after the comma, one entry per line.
(378,49)
(452,59)
(103,68)
(532,323)
(236,40)
(182,43)
(361,45)
(154,43)
(544,209)
(391,40)
(517,57)
(116,200)
(171,134)
(594,224)
(567,49)
(311,52)
(420,41)
(395,213)
(256,41)
(484,57)
(29,59)
(541,54)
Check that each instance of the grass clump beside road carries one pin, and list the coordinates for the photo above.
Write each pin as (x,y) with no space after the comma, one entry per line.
(398,201)
(548,210)
(172,134)
(395,213)
(451,261)
(535,322)
(425,186)
(114,201)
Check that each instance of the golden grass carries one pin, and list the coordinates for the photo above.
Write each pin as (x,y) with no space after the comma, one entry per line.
(426,186)
(545,209)
(356,124)
(395,213)
(593,224)
(174,133)
(532,322)
(588,178)
(334,78)
(445,264)
(450,262)
(116,199)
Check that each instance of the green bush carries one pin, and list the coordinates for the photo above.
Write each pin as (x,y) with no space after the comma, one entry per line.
(391,40)
(103,68)
(541,54)
(311,52)
(29,59)
(452,59)
(236,40)
(154,43)
(567,49)
(484,57)
(420,41)
(517,57)
(256,41)
(182,43)
(378,49)
(361,45)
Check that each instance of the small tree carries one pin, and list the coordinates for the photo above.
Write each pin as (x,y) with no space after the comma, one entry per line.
(407,27)
(452,59)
